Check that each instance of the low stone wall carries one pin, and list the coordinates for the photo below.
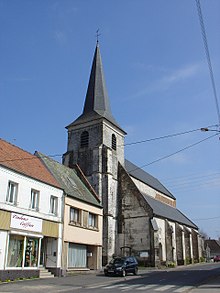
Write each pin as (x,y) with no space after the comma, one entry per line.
(18,274)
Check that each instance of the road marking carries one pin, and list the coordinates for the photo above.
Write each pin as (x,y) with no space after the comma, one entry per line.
(67,289)
(164,288)
(94,287)
(146,287)
(129,287)
(112,286)
(183,289)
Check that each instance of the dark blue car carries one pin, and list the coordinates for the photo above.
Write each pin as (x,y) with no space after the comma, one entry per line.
(122,266)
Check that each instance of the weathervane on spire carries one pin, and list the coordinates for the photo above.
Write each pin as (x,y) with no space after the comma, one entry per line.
(97,35)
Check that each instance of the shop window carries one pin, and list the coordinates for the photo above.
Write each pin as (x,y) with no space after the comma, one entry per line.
(93,220)
(84,142)
(34,200)
(12,192)
(17,246)
(114,145)
(75,216)
(53,205)
(15,251)
(31,252)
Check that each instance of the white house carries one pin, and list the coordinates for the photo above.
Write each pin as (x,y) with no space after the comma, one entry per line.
(30,215)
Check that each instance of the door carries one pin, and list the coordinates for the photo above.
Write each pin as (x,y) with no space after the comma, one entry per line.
(43,252)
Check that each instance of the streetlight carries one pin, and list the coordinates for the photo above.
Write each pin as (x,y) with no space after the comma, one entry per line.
(205,129)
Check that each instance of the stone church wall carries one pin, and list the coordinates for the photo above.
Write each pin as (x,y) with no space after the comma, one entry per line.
(133,218)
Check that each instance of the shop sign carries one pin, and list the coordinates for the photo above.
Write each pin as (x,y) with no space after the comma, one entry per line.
(26,223)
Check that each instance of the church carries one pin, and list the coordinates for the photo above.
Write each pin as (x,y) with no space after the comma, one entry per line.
(140,216)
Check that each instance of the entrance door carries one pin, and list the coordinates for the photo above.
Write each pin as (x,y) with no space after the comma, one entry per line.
(43,252)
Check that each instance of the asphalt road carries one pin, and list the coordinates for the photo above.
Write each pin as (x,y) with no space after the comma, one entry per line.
(204,278)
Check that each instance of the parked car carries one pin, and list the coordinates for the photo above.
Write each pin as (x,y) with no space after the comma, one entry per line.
(122,266)
(216,258)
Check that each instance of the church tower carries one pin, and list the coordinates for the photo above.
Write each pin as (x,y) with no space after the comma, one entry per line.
(96,144)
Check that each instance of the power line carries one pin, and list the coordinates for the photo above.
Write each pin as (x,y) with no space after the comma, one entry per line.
(204,36)
(133,143)
(205,219)
(168,156)
(169,135)
(189,177)
(210,184)
(28,158)
(181,181)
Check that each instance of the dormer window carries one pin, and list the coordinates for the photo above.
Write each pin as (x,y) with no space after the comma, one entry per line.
(114,144)
(84,142)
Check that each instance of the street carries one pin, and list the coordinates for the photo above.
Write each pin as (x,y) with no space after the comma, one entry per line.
(179,280)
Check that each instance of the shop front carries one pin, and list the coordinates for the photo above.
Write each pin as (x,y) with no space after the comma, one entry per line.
(25,248)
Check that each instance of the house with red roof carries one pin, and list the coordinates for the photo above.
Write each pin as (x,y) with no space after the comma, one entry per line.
(30,215)
(50,217)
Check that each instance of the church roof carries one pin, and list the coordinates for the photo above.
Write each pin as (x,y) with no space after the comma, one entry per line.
(213,244)
(97,101)
(145,177)
(170,213)
(69,181)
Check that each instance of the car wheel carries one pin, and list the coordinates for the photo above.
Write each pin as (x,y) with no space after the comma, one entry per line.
(136,271)
(123,273)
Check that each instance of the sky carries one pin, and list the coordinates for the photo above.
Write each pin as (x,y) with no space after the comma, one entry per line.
(157,77)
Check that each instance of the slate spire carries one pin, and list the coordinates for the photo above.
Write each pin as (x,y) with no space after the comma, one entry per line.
(97,97)
(97,101)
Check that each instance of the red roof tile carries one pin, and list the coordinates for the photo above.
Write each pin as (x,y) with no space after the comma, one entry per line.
(25,163)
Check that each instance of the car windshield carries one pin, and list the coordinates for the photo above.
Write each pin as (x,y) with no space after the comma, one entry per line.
(117,261)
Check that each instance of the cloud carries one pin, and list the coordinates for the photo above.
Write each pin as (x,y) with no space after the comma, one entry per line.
(170,79)
(60,37)
(148,67)
(180,75)
(178,159)
(18,79)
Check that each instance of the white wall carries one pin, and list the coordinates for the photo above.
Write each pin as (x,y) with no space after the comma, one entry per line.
(144,188)
(162,236)
(3,237)
(25,184)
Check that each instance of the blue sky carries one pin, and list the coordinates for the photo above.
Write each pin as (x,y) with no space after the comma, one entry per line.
(157,79)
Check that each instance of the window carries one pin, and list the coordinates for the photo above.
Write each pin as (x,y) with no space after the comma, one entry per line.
(12,192)
(84,142)
(15,251)
(77,256)
(34,200)
(31,252)
(93,220)
(17,246)
(114,142)
(75,216)
(53,205)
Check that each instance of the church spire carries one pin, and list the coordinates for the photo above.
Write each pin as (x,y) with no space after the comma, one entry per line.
(97,97)
(97,101)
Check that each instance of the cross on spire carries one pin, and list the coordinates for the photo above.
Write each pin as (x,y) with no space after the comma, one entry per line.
(97,35)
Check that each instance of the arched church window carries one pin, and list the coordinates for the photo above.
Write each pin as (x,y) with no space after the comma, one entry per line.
(84,142)
(114,145)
